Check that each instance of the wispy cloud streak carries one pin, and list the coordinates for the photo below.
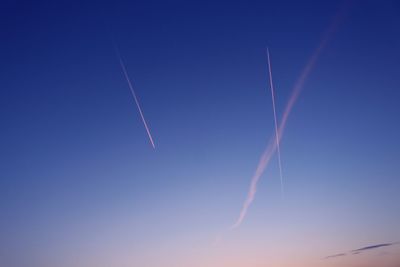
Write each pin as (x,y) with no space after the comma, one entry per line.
(272,145)
(373,247)
(335,256)
(361,250)
(134,96)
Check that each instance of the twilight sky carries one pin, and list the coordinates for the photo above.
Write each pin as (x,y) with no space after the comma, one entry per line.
(82,186)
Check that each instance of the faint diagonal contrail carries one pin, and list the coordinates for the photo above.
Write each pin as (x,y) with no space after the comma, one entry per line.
(297,88)
(271,85)
(134,95)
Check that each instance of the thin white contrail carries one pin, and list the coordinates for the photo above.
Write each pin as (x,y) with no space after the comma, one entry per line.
(134,96)
(272,145)
(271,85)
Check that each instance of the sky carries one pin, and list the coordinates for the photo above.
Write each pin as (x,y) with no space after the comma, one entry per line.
(82,186)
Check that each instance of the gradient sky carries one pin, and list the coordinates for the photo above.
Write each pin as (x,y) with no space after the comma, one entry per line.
(81,185)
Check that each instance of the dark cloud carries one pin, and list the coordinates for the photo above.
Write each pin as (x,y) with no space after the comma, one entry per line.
(360,250)
(335,256)
(373,247)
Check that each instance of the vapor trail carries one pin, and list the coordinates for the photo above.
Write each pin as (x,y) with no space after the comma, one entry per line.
(271,85)
(272,145)
(134,95)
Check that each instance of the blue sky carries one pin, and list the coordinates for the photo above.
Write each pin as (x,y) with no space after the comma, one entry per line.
(81,185)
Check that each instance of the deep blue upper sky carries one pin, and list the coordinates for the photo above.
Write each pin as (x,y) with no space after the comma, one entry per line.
(74,155)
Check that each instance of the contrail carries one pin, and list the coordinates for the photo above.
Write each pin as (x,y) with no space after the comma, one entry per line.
(272,145)
(271,85)
(262,164)
(134,95)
